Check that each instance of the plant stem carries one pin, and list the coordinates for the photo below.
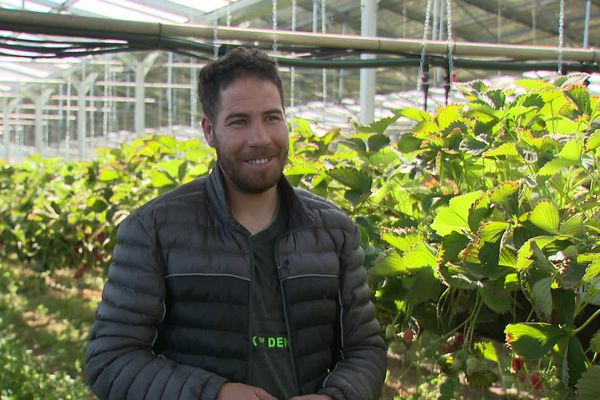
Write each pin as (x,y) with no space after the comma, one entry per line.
(586,323)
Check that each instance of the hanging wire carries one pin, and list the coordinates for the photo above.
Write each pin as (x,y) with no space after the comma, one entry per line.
(170,91)
(68,130)
(274,12)
(105,102)
(534,7)
(450,69)
(498,21)
(425,34)
(228,13)
(92,116)
(216,37)
(323,31)
(293,69)
(193,94)
(561,36)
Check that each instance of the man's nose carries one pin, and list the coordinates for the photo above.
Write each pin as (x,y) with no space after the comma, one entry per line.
(259,135)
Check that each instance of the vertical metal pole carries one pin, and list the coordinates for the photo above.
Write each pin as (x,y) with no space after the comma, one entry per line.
(81,119)
(342,72)
(368,27)
(139,97)
(315,16)
(434,22)
(586,29)
(39,129)
(6,133)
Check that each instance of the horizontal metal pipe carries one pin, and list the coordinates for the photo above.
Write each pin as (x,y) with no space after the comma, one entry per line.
(33,22)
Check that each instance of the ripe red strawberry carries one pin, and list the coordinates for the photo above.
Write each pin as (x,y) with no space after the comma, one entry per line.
(459,339)
(536,381)
(408,335)
(517,363)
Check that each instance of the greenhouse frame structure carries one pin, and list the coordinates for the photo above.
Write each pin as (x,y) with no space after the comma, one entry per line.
(72,77)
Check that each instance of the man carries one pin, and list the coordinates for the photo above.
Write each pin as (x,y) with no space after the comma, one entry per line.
(236,285)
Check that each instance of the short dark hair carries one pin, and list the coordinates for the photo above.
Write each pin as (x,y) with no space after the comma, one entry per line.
(236,64)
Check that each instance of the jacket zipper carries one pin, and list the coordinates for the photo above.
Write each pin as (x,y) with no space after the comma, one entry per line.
(285,316)
(250,313)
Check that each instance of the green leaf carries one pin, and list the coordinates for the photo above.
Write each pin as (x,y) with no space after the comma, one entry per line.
(504,192)
(452,245)
(302,169)
(172,168)
(572,151)
(542,297)
(545,216)
(416,114)
(456,277)
(391,264)
(455,217)
(573,227)
(378,126)
(160,179)
(507,258)
(533,340)
(403,243)
(592,142)
(419,256)
(108,175)
(407,143)
(503,151)
(495,297)
(588,386)
(492,231)
(525,255)
(580,95)
(353,178)
(576,361)
(446,116)
(425,286)
(557,165)
(488,350)
(564,305)
(592,271)
(478,212)
(574,272)
(377,142)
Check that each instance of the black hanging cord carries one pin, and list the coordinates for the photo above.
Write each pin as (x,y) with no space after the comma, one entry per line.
(424,81)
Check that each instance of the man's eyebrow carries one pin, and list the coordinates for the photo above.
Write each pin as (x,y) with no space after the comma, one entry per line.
(273,111)
(236,115)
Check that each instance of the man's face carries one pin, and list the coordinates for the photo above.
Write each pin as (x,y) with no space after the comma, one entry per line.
(250,134)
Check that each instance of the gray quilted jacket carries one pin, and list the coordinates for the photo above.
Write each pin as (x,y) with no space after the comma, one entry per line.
(174,318)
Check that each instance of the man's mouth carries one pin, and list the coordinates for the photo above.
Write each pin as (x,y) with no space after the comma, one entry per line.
(258,161)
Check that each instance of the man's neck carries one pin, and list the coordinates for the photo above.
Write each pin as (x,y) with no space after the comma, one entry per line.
(254,211)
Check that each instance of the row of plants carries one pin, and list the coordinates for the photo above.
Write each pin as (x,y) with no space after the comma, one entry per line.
(41,354)
(481,226)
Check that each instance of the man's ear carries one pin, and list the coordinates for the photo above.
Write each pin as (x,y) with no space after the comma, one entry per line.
(208,129)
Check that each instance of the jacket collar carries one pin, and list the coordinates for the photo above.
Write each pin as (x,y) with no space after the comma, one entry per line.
(299,216)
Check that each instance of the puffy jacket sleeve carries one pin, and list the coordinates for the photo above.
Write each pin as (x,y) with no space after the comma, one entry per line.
(360,373)
(120,362)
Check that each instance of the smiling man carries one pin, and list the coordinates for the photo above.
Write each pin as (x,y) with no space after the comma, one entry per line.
(237,285)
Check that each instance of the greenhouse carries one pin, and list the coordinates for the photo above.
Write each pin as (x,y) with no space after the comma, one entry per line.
(460,137)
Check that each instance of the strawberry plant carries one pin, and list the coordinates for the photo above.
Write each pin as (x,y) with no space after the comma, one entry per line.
(480,225)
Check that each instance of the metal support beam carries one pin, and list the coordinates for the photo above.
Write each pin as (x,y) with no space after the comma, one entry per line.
(140,110)
(367,76)
(6,129)
(81,120)
(85,85)
(22,21)
(586,29)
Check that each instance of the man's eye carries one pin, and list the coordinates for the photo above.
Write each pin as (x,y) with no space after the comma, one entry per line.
(273,118)
(237,122)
